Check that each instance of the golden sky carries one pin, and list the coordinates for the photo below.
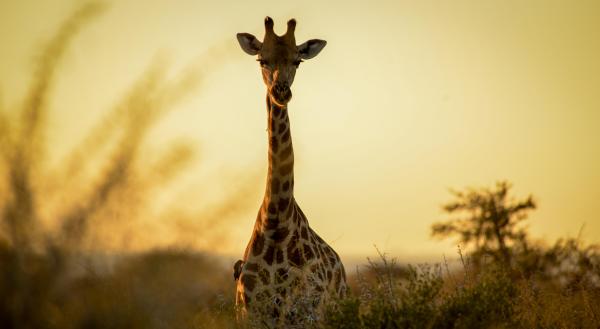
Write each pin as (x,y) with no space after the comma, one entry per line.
(408,99)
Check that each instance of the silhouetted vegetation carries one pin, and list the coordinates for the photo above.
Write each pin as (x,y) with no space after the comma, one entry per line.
(56,223)
(490,296)
(491,227)
(425,299)
(505,281)
(490,221)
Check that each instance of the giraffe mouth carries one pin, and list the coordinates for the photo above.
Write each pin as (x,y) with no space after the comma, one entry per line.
(281,96)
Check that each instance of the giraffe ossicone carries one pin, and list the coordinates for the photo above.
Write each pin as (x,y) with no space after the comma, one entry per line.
(287,268)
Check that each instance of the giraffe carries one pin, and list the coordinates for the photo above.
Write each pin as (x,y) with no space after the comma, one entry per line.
(285,258)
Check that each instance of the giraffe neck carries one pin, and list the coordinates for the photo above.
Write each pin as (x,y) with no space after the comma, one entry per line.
(278,199)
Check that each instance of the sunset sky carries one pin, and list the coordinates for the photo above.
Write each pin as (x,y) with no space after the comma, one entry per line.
(407,100)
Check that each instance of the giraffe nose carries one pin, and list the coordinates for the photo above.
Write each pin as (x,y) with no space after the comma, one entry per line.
(281,93)
(281,88)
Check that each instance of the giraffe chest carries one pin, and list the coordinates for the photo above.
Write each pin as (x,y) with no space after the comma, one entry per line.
(274,270)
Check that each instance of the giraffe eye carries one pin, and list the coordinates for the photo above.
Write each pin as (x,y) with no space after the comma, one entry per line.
(262,62)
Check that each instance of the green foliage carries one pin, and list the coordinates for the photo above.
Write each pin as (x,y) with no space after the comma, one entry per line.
(424,299)
(486,301)
(344,314)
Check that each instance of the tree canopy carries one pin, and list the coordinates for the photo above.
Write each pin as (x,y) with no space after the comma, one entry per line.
(486,219)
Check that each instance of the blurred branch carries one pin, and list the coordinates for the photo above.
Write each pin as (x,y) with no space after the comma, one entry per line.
(118,119)
(19,212)
(171,162)
(4,136)
(144,105)
(34,106)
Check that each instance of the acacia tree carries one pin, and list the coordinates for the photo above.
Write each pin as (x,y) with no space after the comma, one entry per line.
(486,219)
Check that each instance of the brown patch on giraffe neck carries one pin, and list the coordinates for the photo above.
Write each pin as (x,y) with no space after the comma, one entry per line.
(280,175)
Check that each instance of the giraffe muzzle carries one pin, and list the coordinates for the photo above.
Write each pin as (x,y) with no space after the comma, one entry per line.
(281,94)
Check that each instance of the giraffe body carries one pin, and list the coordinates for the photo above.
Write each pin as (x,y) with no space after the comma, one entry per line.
(287,268)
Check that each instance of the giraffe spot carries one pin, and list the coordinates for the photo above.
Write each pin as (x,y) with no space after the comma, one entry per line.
(329,255)
(285,153)
(247,298)
(286,136)
(283,204)
(272,208)
(295,283)
(329,275)
(333,260)
(319,250)
(286,186)
(319,239)
(296,258)
(320,275)
(282,127)
(281,276)
(253,267)
(263,295)
(275,185)
(264,276)
(308,252)
(269,255)
(271,224)
(274,144)
(279,257)
(258,244)
(289,212)
(294,240)
(325,260)
(304,233)
(286,169)
(268,293)
(314,267)
(301,214)
(249,281)
(281,291)
(280,234)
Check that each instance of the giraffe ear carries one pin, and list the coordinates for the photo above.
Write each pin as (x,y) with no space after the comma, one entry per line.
(311,48)
(249,43)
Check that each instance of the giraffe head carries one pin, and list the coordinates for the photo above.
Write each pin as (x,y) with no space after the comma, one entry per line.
(279,57)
